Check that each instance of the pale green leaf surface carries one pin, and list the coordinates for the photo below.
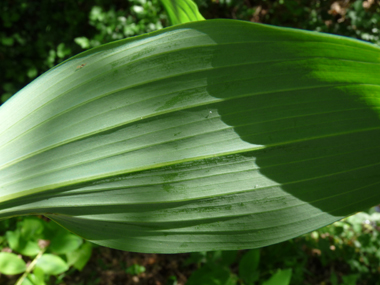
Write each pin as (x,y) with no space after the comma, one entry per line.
(65,243)
(11,264)
(26,281)
(182,11)
(21,244)
(248,266)
(38,276)
(79,257)
(210,135)
(51,264)
(212,275)
(281,277)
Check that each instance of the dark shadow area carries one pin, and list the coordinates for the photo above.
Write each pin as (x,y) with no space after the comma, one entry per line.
(321,131)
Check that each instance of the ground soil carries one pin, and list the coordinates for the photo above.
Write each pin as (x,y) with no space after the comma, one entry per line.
(108,267)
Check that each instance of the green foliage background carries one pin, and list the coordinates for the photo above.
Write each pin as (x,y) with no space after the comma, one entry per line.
(36,35)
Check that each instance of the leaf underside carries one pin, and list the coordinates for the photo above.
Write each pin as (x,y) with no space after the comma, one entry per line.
(211,135)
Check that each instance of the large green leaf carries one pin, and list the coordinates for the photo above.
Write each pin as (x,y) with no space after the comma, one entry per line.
(182,11)
(209,135)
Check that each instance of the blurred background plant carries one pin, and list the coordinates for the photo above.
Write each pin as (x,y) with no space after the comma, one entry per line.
(345,253)
(39,250)
(352,18)
(36,35)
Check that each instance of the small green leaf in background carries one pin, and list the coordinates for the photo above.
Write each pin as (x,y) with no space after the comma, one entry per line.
(213,257)
(31,227)
(35,278)
(52,264)
(39,275)
(32,72)
(83,42)
(135,269)
(13,238)
(182,11)
(11,264)
(196,257)
(229,257)
(350,279)
(281,277)
(25,238)
(334,279)
(79,257)
(20,244)
(65,243)
(211,274)
(7,41)
(172,280)
(26,281)
(62,50)
(248,266)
